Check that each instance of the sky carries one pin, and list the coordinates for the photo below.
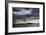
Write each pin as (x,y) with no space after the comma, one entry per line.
(25,12)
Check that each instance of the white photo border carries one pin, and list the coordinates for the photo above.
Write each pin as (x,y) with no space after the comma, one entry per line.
(10,29)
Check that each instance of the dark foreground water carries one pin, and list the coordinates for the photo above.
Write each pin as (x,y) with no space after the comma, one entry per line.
(26,25)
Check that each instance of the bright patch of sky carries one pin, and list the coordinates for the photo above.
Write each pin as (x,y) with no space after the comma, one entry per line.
(23,12)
